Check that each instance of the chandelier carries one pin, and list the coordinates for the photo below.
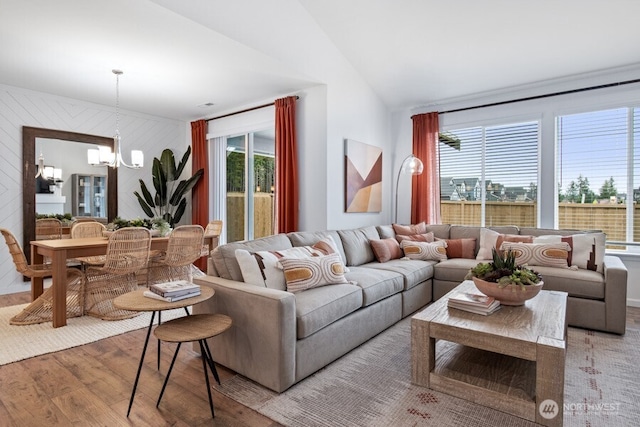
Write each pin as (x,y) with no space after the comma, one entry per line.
(103,156)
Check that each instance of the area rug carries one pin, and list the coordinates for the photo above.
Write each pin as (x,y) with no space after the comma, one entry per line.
(371,386)
(22,342)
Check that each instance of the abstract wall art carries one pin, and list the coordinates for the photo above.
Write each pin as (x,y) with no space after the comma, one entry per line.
(363,177)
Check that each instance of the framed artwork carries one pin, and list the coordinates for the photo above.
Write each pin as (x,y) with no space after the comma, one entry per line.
(363,177)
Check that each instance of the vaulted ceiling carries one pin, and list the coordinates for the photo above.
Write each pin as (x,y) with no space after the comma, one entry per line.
(178,56)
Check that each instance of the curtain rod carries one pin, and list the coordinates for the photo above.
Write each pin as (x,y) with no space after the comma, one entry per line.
(244,111)
(530,98)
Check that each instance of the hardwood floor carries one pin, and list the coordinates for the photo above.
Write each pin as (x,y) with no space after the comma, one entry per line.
(90,385)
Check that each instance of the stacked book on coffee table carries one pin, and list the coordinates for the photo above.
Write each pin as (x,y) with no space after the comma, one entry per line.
(173,291)
(474,303)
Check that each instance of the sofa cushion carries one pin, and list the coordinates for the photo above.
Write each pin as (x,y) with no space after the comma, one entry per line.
(413,272)
(461,248)
(409,230)
(454,270)
(261,268)
(224,257)
(425,251)
(386,249)
(309,238)
(490,239)
(356,245)
(385,231)
(442,231)
(319,307)
(577,283)
(376,284)
(539,254)
(306,273)
(587,249)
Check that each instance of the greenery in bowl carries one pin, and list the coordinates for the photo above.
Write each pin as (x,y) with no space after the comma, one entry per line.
(504,271)
(159,224)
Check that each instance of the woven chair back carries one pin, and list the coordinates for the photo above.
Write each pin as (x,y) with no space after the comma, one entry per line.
(48,228)
(87,229)
(127,251)
(185,245)
(214,228)
(20,261)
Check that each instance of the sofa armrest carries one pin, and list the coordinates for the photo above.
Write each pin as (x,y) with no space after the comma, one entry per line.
(615,294)
(262,339)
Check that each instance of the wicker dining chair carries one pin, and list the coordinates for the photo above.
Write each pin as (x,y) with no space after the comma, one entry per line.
(88,229)
(41,309)
(184,247)
(48,229)
(127,252)
(214,228)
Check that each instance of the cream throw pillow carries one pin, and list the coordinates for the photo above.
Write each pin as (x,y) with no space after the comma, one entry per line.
(433,251)
(587,249)
(307,273)
(490,239)
(544,254)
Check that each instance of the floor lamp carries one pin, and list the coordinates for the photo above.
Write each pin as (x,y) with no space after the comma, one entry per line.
(411,165)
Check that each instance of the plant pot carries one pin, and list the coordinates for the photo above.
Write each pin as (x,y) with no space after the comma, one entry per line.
(510,294)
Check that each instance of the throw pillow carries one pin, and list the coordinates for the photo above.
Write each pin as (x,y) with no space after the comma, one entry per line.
(426,237)
(587,249)
(460,248)
(425,251)
(408,230)
(261,268)
(490,239)
(386,249)
(544,254)
(307,273)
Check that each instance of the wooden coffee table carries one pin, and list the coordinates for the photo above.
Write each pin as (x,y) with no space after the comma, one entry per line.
(512,360)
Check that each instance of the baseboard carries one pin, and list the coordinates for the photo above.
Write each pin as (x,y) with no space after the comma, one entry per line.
(632,302)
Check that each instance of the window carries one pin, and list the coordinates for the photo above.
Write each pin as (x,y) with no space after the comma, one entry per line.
(598,166)
(489,175)
(250,214)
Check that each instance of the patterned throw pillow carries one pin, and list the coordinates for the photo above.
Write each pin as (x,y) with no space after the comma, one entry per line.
(261,268)
(426,237)
(587,249)
(408,230)
(434,251)
(460,248)
(307,273)
(490,239)
(386,249)
(544,254)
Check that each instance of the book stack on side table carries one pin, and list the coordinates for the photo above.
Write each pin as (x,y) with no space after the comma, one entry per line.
(474,303)
(173,291)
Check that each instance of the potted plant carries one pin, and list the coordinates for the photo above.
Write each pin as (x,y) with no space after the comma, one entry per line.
(169,202)
(504,280)
(156,225)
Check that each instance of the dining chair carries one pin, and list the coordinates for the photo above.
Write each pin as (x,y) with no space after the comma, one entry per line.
(40,310)
(88,229)
(183,248)
(214,228)
(48,228)
(127,252)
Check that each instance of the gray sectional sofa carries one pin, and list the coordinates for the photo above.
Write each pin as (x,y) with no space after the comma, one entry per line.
(278,338)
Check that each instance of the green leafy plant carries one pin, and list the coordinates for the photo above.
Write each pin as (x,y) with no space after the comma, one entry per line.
(169,202)
(152,224)
(504,271)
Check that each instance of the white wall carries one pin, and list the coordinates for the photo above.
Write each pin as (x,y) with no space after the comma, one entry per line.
(544,110)
(20,107)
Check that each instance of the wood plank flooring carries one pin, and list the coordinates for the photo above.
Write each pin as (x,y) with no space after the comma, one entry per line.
(90,385)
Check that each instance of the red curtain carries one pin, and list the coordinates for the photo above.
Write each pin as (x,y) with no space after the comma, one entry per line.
(286,166)
(425,188)
(200,192)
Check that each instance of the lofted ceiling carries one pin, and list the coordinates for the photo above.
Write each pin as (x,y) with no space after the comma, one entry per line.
(178,56)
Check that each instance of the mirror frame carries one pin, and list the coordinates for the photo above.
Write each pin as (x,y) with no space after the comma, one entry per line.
(29,135)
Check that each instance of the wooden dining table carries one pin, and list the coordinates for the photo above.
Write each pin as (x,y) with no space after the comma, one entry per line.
(59,251)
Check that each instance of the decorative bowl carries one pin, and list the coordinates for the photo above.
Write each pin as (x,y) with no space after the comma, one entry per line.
(510,294)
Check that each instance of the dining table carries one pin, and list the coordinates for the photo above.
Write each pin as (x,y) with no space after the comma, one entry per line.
(59,251)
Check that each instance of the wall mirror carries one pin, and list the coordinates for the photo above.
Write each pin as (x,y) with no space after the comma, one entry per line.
(35,140)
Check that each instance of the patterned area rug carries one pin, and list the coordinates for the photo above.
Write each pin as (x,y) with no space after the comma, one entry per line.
(371,386)
(25,341)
